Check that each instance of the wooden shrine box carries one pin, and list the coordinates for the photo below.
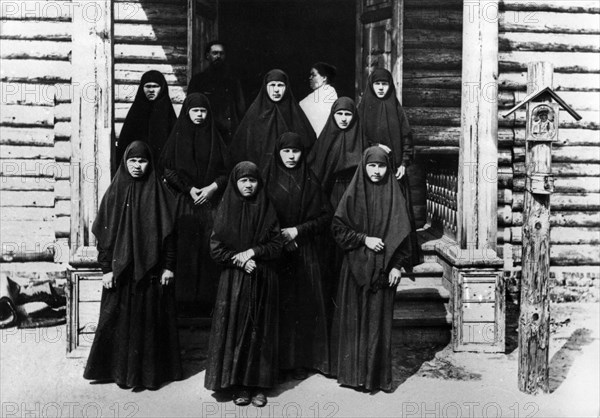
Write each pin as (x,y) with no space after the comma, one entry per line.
(83,309)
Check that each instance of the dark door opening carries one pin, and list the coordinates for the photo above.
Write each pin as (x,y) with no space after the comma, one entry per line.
(291,35)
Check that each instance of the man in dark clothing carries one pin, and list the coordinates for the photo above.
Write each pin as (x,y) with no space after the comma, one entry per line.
(223,90)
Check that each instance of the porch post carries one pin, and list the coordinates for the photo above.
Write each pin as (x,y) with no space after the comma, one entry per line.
(398,46)
(478,154)
(91,118)
(471,264)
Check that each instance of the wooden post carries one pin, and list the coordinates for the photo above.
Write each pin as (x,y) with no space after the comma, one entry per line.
(534,320)
(471,264)
(91,118)
(478,157)
(398,47)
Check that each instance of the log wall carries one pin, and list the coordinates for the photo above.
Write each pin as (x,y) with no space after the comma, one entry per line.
(149,35)
(431,88)
(567,34)
(35,77)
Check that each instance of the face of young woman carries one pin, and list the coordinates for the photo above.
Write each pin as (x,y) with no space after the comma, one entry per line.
(290,156)
(316,80)
(343,118)
(376,171)
(198,115)
(276,90)
(247,186)
(151,90)
(137,167)
(381,88)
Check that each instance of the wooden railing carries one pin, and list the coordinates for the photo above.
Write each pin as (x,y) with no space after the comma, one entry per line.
(442,184)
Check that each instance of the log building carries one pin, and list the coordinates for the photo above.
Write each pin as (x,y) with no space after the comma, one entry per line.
(70,70)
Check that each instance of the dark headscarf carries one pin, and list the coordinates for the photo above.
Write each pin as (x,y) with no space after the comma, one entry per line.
(135,216)
(148,121)
(266,120)
(377,210)
(384,121)
(295,192)
(196,152)
(240,222)
(337,150)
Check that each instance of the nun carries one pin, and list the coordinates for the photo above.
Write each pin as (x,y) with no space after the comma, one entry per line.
(273,112)
(334,159)
(384,123)
(150,118)
(304,213)
(136,342)
(246,241)
(338,151)
(196,160)
(372,226)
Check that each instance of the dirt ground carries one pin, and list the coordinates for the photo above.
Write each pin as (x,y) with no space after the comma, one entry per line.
(37,380)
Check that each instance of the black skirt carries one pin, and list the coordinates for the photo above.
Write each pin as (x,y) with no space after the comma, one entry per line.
(136,342)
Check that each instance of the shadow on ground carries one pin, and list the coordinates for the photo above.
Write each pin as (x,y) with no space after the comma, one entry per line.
(561,362)
(422,361)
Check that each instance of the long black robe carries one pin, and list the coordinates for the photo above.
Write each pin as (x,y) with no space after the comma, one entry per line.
(224,91)
(362,325)
(195,156)
(299,202)
(136,342)
(334,159)
(148,121)
(384,122)
(266,120)
(243,347)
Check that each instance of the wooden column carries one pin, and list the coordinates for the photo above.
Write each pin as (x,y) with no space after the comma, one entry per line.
(398,46)
(471,266)
(534,320)
(91,118)
(478,158)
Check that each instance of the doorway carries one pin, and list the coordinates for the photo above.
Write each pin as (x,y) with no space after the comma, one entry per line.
(291,35)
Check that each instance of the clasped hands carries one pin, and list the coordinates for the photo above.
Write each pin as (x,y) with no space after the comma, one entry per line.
(166,278)
(401,170)
(289,237)
(244,260)
(376,244)
(203,195)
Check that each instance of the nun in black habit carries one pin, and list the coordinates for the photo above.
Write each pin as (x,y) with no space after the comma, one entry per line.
(372,226)
(136,341)
(384,123)
(150,118)
(304,213)
(243,348)
(196,165)
(334,159)
(273,112)
(338,151)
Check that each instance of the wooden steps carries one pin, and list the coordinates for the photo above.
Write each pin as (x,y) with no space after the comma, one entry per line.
(422,313)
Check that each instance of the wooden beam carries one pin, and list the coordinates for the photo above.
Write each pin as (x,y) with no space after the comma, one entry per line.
(91,120)
(478,158)
(398,47)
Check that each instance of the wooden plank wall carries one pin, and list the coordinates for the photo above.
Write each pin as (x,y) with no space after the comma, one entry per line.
(35,47)
(149,35)
(567,34)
